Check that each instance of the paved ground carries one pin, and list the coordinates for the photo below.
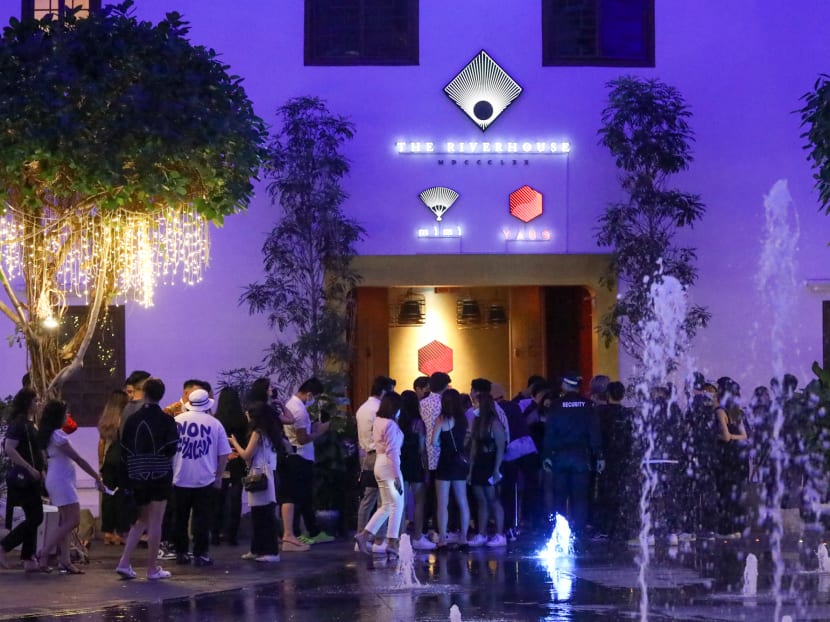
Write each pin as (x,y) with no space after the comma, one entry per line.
(700,581)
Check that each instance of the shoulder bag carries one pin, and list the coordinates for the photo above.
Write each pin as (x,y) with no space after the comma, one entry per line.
(19,477)
(256,480)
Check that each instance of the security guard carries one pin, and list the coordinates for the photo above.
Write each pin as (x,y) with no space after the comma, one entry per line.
(572,443)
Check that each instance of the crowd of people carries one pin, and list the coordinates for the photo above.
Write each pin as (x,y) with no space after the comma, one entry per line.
(173,477)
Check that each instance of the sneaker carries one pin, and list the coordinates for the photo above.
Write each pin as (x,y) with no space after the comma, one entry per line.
(158,573)
(672,539)
(183,559)
(268,559)
(294,546)
(166,553)
(497,541)
(250,555)
(423,544)
(320,538)
(477,540)
(732,536)
(379,549)
(126,573)
(687,537)
(202,560)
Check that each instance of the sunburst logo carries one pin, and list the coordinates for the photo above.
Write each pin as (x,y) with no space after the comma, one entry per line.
(438,199)
(483,90)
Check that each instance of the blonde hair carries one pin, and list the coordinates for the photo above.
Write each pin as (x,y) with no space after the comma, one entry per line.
(110,421)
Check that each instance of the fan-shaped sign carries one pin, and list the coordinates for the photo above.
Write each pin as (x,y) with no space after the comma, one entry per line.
(438,199)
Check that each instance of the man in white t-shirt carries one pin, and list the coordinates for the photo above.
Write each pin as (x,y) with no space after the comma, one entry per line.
(197,472)
(297,470)
(365,417)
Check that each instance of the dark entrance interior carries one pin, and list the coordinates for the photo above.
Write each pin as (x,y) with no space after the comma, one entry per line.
(550,333)
(568,337)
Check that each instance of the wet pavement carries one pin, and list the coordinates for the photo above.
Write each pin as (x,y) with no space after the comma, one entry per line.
(696,581)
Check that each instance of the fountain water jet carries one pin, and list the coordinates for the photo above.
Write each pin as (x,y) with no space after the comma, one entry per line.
(823,558)
(406,564)
(750,587)
(455,614)
(665,343)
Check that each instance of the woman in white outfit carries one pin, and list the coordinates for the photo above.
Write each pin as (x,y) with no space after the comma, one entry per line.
(388,440)
(60,484)
(260,455)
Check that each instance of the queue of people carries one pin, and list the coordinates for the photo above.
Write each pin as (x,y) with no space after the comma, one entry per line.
(468,470)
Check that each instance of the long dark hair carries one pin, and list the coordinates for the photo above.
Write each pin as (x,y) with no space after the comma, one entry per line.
(451,408)
(486,415)
(390,404)
(22,403)
(230,414)
(53,417)
(410,410)
(264,421)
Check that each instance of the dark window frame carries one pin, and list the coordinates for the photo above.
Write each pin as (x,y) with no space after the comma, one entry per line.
(551,59)
(27,8)
(313,58)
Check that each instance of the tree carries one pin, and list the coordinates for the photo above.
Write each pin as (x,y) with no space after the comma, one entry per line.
(307,256)
(645,128)
(815,115)
(120,142)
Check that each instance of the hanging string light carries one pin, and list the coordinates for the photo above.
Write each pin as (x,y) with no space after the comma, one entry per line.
(147,248)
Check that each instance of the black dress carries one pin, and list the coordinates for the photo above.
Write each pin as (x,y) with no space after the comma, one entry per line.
(484,462)
(411,467)
(452,467)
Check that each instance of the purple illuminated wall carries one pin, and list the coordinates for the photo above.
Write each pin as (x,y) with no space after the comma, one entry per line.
(741,65)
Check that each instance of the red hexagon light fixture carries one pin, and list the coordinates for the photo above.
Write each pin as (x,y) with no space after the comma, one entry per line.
(435,356)
(525,203)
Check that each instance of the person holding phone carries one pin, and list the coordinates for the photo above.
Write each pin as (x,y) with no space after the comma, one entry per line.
(388,440)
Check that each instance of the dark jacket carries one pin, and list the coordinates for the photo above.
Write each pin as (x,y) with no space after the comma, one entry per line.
(572,427)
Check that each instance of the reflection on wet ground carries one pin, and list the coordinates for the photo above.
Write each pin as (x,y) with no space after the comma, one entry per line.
(697,581)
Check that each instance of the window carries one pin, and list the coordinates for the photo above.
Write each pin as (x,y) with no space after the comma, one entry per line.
(361,32)
(825,316)
(41,8)
(104,369)
(609,33)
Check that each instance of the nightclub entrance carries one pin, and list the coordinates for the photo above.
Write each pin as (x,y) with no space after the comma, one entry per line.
(502,317)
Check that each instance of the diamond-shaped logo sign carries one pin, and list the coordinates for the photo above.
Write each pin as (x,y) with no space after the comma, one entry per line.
(525,203)
(483,90)
(433,357)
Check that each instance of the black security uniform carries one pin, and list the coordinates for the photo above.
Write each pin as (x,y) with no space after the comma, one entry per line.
(572,442)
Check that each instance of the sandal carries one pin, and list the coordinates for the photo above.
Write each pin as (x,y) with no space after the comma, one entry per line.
(71,568)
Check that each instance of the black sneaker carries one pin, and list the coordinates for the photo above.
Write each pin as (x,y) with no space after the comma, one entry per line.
(182,559)
(202,560)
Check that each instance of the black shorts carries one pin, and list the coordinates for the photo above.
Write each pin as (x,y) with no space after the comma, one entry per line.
(145,492)
(296,480)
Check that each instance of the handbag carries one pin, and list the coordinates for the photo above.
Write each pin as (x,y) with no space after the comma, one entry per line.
(19,477)
(458,458)
(255,481)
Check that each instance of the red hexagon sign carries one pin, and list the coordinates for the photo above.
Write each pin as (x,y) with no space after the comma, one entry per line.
(434,356)
(526,203)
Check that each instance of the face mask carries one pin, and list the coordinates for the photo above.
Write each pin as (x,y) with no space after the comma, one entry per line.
(309,402)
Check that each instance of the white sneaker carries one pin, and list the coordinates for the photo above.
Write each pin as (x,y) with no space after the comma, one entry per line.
(158,573)
(672,539)
(379,549)
(497,541)
(477,540)
(268,559)
(423,544)
(250,555)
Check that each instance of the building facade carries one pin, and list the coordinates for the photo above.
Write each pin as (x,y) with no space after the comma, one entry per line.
(477,174)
